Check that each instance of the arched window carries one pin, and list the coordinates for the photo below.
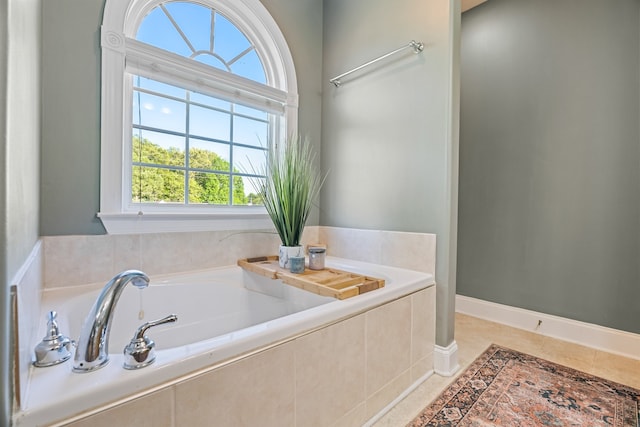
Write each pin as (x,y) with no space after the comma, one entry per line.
(193,94)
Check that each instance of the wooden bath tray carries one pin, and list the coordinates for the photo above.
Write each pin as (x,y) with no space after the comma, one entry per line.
(328,282)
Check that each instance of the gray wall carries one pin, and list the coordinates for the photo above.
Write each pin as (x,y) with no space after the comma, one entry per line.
(301,23)
(71,103)
(70,167)
(19,157)
(387,137)
(549,207)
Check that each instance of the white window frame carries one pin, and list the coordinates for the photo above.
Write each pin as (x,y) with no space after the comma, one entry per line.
(121,54)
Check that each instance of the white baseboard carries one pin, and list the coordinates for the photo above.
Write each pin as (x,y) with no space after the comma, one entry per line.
(599,337)
(445,360)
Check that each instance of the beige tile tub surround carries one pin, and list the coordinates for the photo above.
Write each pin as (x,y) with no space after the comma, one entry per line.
(81,260)
(258,390)
(414,251)
(423,334)
(387,347)
(330,372)
(29,282)
(59,261)
(154,410)
(339,375)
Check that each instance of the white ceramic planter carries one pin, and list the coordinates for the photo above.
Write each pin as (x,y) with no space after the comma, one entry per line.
(286,252)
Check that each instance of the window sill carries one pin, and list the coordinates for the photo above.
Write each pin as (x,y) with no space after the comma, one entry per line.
(162,222)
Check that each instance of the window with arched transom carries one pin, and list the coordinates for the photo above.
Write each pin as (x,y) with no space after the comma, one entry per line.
(193,96)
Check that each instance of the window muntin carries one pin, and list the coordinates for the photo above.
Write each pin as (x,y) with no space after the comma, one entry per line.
(189,147)
(203,34)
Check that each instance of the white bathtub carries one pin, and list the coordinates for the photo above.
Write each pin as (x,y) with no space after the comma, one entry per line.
(223,313)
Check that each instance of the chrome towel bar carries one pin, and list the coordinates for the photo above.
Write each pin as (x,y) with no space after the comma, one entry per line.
(417,48)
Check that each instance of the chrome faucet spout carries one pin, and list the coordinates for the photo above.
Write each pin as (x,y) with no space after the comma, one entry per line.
(92,351)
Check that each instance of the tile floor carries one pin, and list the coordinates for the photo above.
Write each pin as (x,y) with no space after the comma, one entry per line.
(474,335)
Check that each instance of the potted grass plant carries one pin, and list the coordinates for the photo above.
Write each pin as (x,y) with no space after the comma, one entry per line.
(291,184)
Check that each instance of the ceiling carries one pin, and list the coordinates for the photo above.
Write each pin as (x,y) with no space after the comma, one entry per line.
(468,4)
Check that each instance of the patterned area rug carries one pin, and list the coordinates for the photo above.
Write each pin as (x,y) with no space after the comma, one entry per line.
(504,387)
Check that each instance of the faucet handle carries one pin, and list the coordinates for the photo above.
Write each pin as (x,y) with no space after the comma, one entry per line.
(54,348)
(140,352)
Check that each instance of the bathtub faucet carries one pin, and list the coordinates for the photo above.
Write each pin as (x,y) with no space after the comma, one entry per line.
(93,345)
